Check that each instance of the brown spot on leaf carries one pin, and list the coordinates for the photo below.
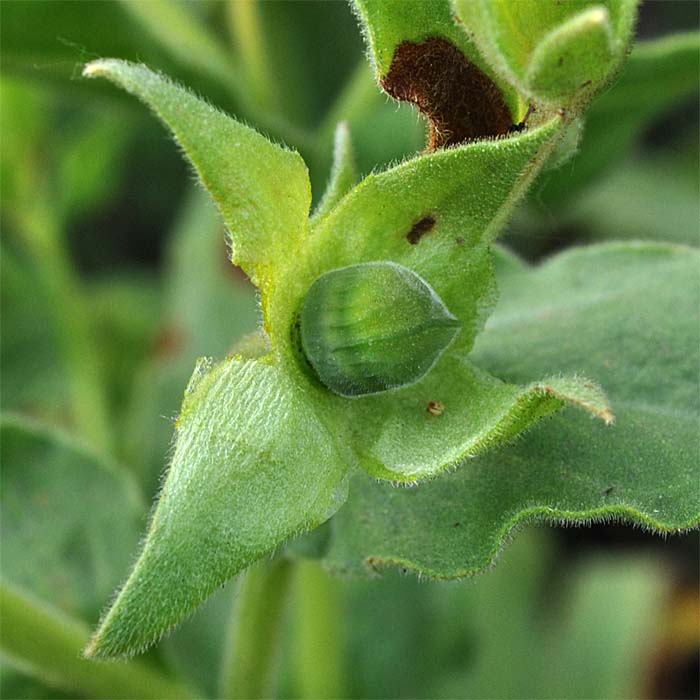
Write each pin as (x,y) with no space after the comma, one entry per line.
(420,229)
(435,408)
(461,102)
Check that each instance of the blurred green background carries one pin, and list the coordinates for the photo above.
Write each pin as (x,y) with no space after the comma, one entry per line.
(115,278)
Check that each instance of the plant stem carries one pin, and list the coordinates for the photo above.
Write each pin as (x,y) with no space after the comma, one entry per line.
(42,236)
(318,649)
(48,644)
(249,666)
(246,29)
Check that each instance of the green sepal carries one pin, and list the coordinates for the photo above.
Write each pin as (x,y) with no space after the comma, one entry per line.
(253,465)
(435,214)
(262,189)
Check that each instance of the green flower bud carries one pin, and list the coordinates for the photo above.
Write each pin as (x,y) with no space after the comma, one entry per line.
(372,327)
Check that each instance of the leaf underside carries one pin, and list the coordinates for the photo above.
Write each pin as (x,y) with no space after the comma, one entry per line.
(602,310)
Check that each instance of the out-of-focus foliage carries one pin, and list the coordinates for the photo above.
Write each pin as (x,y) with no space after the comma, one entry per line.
(104,239)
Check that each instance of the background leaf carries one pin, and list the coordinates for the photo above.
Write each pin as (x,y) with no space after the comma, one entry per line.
(77,515)
(603,310)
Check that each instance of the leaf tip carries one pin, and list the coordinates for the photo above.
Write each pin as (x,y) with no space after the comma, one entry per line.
(96,69)
(94,650)
(608,417)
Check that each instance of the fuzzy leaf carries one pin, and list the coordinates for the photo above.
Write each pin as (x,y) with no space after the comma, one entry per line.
(441,230)
(253,465)
(574,56)
(551,51)
(455,412)
(602,310)
(262,189)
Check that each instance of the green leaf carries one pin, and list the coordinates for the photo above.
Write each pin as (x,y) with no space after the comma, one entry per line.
(455,412)
(442,231)
(551,52)
(574,56)
(77,515)
(253,465)
(603,311)
(262,189)
(421,55)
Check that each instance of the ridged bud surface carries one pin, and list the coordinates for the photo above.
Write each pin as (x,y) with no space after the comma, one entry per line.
(371,327)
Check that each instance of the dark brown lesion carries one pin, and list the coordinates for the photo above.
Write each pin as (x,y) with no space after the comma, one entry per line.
(460,100)
(419,229)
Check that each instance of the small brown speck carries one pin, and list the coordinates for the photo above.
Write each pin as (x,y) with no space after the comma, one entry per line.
(435,408)
(459,241)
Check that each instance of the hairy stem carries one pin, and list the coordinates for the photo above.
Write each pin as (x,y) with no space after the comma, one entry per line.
(249,667)
(47,644)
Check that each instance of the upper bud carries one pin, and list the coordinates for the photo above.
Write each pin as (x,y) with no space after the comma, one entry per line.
(552,52)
